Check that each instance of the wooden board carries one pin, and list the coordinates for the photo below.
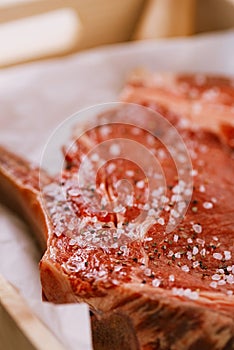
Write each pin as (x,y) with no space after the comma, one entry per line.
(19,328)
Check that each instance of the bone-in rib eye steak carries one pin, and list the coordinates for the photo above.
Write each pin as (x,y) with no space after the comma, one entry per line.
(155,289)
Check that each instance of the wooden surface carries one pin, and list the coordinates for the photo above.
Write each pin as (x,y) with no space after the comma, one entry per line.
(20,329)
(166,18)
(100,22)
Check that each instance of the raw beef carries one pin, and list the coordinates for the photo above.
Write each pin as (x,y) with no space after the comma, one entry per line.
(108,246)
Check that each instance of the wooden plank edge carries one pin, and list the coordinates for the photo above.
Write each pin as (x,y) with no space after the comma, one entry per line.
(20,328)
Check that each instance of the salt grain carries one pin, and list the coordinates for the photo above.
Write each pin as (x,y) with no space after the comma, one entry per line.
(176,189)
(147,272)
(72,242)
(194,295)
(193,172)
(164,199)
(200,241)
(207,205)
(202,188)
(175,213)
(170,254)
(227,255)
(203,252)
(217,256)
(111,167)
(146,206)
(176,198)
(188,192)
(156,282)
(94,157)
(221,283)
(197,228)
(152,212)
(185,268)
(230,279)
(185,292)
(161,221)
(105,130)
(172,278)
(189,255)
(119,209)
(74,192)
(130,173)
(115,149)
(213,284)
(215,277)
(140,184)
(195,250)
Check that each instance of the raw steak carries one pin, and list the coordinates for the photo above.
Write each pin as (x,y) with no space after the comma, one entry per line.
(206,101)
(148,288)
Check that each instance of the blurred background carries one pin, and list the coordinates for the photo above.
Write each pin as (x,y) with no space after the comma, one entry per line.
(40,29)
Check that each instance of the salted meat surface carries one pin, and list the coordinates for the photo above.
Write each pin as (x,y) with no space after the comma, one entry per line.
(205,101)
(108,243)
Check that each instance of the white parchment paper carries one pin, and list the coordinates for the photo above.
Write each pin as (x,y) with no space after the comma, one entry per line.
(35,98)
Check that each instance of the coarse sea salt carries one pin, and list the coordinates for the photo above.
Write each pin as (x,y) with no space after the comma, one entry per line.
(111,167)
(208,205)
(115,149)
(200,241)
(129,173)
(105,130)
(185,268)
(195,250)
(175,213)
(202,188)
(230,279)
(227,255)
(188,293)
(170,254)
(197,228)
(203,252)
(147,272)
(221,283)
(140,184)
(119,209)
(193,172)
(213,284)
(216,277)
(156,282)
(94,157)
(189,255)
(161,221)
(172,278)
(72,242)
(217,256)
